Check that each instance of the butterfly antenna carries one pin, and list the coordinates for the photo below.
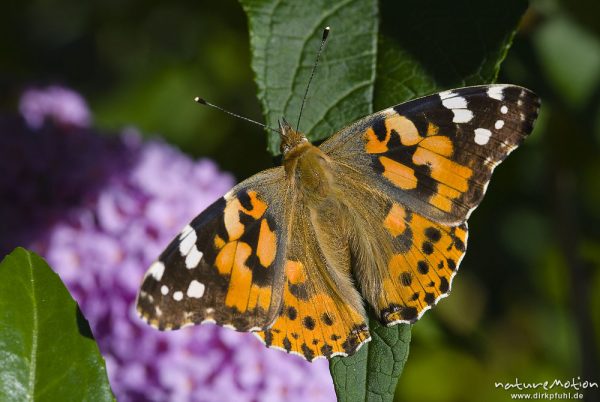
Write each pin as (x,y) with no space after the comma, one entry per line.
(202,101)
(323,40)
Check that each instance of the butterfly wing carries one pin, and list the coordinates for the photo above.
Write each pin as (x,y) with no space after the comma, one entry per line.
(226,266)
(420,271)
(403,261)
(436,154)
(322,312)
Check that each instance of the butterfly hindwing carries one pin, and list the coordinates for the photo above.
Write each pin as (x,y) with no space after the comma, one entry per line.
(226,266)
(420,272)
(403,262)
(436,154)
(425,257)
(321,314)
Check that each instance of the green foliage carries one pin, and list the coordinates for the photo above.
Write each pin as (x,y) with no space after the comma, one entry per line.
(285,36)
(47,352)
(372,373)
(430,46)
(575,81)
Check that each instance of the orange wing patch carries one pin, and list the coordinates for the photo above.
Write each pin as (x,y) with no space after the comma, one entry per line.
(233,225)
(311,323)
(452,178)
(400,175)
(233,255)
(395,124)
(267,244)
(395,221)
(421,270)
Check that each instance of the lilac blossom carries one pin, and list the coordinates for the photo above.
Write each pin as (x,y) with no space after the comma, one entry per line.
(100,209)
(62,105)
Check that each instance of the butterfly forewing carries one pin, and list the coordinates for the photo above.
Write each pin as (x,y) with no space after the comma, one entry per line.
(226,266)
(436,154)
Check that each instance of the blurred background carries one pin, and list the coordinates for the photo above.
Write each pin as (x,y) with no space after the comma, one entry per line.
(526,304)
(141,63)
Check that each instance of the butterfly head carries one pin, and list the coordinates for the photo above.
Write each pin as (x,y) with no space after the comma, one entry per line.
(290,138)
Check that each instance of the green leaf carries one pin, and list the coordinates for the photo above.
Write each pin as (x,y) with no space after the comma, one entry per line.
(285,36)
(574,71)
(372,373)
(47,352)
(429,46)
(423,47)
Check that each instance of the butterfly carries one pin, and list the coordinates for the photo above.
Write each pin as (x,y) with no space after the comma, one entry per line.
(375,216)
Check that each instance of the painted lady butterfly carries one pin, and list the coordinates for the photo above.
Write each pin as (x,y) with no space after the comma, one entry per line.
(376,213)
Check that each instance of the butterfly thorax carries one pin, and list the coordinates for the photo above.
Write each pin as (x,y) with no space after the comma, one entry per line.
(307,167)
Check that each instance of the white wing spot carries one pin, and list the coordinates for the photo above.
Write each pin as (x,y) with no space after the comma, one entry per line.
(499,124)
(193,258)
(446,94)
(188,240)
(482,136)
(503,109)
(164,290)
(178,296)
(457,102)
(458,105)
(184,232)
(196,289)
(496,92)
(462,115)
(156,270)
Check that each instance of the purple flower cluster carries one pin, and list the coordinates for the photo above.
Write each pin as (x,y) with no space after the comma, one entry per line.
(56,103)
(101,209)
